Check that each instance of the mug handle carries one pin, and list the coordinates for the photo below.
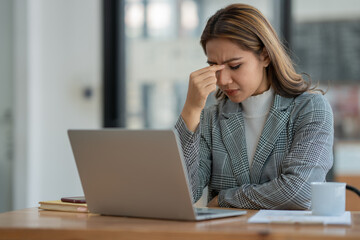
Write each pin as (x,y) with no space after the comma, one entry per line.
(353,189)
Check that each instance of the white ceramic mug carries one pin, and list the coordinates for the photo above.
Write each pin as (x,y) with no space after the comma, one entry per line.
(328,198)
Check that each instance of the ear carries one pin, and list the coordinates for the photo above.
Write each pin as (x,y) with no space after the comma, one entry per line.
(264,57)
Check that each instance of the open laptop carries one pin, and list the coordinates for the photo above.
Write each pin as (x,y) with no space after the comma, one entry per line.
(136,173)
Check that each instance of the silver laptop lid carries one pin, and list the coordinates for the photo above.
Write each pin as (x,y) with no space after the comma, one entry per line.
(138,173)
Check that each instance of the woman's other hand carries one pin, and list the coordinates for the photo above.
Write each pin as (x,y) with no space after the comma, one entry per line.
(214,202)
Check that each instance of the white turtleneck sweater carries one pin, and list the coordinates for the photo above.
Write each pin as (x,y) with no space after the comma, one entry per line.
(255,112)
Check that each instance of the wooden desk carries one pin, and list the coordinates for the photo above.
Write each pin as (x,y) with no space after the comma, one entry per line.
(39,224)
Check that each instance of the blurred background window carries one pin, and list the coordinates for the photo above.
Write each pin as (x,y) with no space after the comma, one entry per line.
(162,49)
(6,104)
(326,44)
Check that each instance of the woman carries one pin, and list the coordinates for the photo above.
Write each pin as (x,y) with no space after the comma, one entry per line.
(270,134)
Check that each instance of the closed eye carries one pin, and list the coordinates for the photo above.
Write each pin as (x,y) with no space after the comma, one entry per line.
(234,67)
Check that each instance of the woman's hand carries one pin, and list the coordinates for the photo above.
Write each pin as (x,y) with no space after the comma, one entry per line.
(214,202)
(202,82)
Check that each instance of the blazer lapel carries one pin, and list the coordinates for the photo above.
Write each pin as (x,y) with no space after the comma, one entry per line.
(276,122)
(233,135)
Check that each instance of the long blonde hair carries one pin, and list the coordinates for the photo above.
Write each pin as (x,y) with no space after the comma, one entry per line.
(247,26)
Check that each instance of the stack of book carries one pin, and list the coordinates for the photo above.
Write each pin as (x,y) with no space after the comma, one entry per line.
(59,205)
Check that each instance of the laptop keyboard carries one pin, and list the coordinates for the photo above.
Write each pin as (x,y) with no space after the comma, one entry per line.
(204,211)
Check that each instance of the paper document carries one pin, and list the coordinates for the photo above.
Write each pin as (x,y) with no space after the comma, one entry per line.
(302,217)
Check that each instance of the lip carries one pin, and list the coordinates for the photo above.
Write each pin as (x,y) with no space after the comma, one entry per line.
(231,92)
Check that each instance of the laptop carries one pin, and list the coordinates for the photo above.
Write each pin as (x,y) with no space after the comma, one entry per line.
(136,173)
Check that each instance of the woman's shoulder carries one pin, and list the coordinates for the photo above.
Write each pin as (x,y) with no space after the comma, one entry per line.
(311,101)
(312,98)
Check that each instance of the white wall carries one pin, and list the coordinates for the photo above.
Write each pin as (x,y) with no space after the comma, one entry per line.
(57,55)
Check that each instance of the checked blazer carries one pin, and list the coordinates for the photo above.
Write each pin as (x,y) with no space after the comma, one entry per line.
(294,149)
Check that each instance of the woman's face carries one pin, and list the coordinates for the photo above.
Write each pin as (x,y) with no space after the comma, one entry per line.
(244,74)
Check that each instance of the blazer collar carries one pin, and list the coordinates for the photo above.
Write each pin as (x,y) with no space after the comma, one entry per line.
(227,108)
(282,103)
(233,130)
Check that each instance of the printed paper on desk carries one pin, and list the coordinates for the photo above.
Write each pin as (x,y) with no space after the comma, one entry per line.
(302,217)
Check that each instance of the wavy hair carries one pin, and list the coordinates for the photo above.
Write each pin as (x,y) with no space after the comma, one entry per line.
(247,26)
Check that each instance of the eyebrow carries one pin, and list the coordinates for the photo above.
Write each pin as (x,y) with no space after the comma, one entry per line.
(226,61)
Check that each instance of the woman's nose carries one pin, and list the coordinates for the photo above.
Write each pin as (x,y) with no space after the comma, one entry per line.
(223,77)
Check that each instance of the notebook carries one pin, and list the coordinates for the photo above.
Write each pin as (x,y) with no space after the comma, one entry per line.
(136,173)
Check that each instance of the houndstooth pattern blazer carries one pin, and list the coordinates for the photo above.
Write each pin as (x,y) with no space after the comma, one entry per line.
(295,149)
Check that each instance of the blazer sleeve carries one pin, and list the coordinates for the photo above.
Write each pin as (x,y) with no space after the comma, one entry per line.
(309,159)
(194,148)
